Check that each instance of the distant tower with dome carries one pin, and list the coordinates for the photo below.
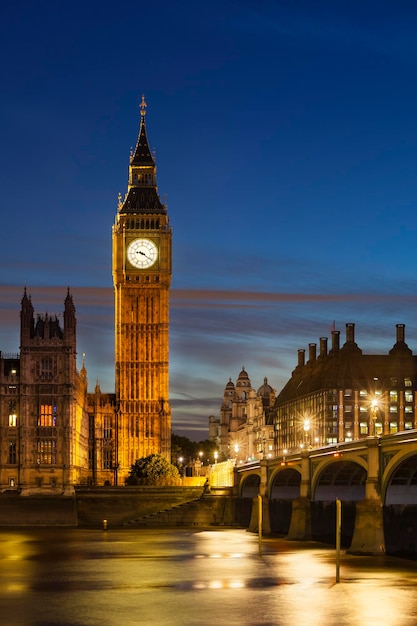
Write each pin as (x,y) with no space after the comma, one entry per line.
(243,429)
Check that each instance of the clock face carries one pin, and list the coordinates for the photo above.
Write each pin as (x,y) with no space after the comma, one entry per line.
(142,253)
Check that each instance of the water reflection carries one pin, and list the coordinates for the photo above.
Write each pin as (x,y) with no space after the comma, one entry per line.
(165,578)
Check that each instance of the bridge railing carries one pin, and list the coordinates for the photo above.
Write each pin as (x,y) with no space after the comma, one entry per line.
(221,474)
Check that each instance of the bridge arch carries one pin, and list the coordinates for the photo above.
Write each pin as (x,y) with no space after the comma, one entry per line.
(284,484)
(339,478)
(249,485)
(399,480)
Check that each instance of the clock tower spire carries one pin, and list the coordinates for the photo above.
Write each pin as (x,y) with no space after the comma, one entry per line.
(141,277)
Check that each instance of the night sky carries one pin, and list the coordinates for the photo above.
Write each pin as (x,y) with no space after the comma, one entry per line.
(286,144)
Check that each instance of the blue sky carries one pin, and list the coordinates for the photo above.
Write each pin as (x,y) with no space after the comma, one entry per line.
(286,145)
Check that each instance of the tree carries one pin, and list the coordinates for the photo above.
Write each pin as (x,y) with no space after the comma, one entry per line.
(190,450)
(153,470)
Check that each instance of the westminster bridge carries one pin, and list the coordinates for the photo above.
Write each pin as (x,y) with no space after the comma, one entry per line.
(372,477)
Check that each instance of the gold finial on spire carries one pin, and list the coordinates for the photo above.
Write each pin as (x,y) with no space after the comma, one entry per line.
(143,106)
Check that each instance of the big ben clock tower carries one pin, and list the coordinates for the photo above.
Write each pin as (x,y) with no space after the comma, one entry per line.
(141,277)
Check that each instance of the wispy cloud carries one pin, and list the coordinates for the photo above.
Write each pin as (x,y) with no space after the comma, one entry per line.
(194,297)
(216,332)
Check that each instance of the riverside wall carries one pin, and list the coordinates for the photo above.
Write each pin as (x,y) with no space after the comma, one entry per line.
(88,507)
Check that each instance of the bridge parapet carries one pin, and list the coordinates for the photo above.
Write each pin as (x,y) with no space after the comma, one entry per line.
(359,471)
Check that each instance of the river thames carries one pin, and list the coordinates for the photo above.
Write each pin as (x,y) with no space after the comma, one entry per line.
(76,577)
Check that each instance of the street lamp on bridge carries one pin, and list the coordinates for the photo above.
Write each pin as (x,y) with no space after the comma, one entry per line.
(306,428)
(372,417)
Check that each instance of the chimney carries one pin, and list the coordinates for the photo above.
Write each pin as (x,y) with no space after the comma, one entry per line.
(311,352)
(350,333)
(335,340)
(400,333)
(401,347)
(301,359)
(323,346)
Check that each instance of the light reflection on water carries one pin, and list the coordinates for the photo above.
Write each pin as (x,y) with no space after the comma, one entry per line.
(187,578)
(372,590)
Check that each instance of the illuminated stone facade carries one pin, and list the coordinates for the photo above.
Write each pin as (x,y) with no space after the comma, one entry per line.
(142,277)
(337,395)
(53,434)
(244,431)
(343,395)
(102,438)
(43,399)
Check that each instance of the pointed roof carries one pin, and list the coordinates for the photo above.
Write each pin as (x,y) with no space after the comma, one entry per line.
(27,303)
(142,154)
(69,303)
(142,196)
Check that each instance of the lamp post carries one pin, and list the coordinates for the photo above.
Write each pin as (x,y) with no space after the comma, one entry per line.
(372,417)
(306,428)
(216,454)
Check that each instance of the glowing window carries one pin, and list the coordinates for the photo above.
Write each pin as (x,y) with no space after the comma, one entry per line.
(47,415)
(46,452)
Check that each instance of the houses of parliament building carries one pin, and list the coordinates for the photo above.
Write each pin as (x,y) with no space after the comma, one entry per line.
(53,433)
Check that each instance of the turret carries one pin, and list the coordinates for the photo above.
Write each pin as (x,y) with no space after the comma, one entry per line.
(27,322)
(70,322)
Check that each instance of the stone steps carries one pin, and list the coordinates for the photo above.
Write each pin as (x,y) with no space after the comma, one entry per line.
(204,511)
